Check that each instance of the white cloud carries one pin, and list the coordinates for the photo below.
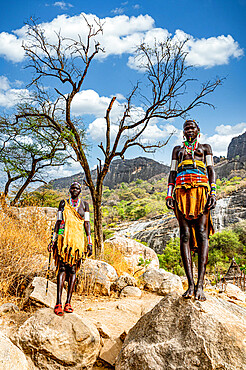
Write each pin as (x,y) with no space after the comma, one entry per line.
(10,47)
(121,34)
(136,6)
(11,96)
(63,5)
(224,134)
(4,83)
(89,102)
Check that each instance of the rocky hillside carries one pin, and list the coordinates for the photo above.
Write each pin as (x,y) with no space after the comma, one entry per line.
(237,147)
(129,170)
(120,171)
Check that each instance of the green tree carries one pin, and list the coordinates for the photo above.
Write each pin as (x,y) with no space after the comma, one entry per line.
(171,259)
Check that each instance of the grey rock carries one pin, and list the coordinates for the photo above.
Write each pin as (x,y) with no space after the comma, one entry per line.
(153,278)
(130,291)
(237,147)
(110,350)
(11,357)
(186,334)
(52,341)
(123,281)
(170,283)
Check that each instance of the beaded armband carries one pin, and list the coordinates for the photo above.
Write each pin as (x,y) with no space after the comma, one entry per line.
(213,189)
(170,191)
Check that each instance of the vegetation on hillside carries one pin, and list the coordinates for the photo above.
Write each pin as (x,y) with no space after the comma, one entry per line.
(223,246)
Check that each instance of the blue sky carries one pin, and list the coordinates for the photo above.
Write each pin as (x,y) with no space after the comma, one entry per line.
(217,35)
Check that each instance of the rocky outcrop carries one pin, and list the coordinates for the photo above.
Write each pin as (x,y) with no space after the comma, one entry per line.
(11,357)
(120,171)
(237,147)
(185,334)
(55,342)
(230,168)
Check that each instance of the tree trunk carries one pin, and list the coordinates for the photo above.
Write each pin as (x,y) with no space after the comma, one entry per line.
(98,230)
(21,190)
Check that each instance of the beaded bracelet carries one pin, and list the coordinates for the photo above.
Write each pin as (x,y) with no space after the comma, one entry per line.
(213,189)
(170,191)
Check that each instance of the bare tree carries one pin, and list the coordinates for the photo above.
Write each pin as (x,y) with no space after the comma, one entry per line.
(67,62)
(27,151)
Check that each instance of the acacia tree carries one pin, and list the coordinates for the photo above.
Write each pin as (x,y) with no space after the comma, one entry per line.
(67,62)
(27,151)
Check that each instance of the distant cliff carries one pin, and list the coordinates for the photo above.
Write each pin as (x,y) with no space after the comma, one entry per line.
(127,170)
(237,148)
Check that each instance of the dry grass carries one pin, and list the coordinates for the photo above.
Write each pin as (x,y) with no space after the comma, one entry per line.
(115,258)
(23,251)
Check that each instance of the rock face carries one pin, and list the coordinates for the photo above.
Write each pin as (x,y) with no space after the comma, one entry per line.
(11,357)
(182,334)
(59,342)
(120,171)
(133,250)
(237,147)
(230,168)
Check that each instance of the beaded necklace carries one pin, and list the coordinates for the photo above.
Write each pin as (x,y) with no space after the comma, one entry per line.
(190,149)
(75,203)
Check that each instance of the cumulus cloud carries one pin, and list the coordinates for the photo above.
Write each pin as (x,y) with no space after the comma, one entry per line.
(10,47)
(89,102)
(223,137)
(10,96)
(121,34)
(211,51)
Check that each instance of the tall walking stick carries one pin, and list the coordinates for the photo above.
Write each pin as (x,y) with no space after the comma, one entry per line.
(48,270)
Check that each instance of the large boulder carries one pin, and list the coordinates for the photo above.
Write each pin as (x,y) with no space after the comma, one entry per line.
(11,357)
(96,277)
(133,251)
(185,334)
(55,342)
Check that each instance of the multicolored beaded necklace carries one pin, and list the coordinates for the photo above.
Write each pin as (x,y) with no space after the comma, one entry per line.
(190,149)
(75,203)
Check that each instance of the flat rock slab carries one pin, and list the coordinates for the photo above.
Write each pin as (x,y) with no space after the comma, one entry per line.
(52,341)
(36,293)
(186,334)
